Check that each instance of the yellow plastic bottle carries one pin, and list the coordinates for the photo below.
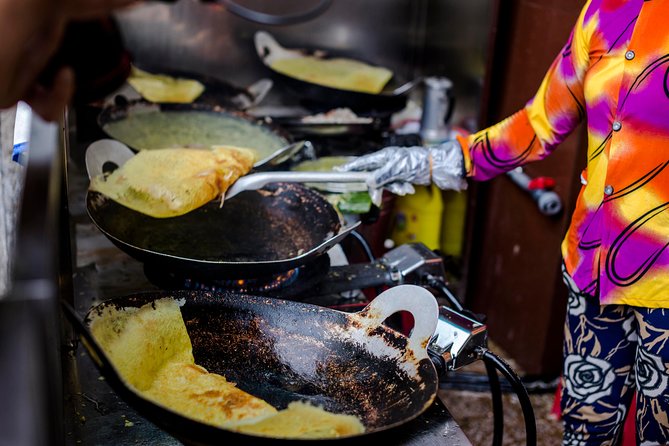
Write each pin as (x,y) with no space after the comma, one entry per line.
(453,224)
(418,217)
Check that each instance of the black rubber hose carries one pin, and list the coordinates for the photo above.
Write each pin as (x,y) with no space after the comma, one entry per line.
(440,285)
(364,244)
(521,393)
(497,403)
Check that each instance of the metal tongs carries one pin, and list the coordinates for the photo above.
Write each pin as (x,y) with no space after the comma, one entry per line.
(257,180)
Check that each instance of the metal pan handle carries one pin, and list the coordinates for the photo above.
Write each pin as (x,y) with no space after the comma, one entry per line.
(416,300)
(269,49)
(103,152)
(329,243)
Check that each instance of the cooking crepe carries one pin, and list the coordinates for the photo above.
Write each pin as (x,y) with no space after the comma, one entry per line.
(171,182)
(302,420)
(344,74)
(150,348)
(166,89)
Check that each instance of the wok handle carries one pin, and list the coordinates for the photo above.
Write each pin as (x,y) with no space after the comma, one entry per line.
(106,151)
(259,90)
(411,298)
(255,181)
(269,49)
(329,243)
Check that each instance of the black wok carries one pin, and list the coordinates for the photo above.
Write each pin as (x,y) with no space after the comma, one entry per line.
(392,98)
(283,351)
(218,92)
(257,233)
(124,109)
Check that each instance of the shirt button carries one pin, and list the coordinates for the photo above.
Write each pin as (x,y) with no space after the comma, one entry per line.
(608,190)
(629,55)
(617,126)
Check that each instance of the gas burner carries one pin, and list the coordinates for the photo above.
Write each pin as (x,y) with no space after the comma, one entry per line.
(252,285)
(289,284)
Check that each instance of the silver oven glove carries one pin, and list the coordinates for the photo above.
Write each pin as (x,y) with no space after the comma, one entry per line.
(398,168)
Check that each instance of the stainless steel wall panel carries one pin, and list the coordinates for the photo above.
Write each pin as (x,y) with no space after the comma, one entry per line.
(411,37)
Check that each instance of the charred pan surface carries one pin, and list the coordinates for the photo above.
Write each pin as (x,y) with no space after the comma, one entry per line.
(277,224)
(283,351)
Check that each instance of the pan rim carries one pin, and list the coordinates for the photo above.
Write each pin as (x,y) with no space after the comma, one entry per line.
(107,113)
(342,229)
(229,298)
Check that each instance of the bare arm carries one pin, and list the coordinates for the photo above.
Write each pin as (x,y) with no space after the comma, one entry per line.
(30,33)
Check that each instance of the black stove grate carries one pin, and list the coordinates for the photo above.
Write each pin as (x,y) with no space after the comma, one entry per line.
(290,284)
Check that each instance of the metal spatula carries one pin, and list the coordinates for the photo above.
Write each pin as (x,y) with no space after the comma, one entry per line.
(257,180)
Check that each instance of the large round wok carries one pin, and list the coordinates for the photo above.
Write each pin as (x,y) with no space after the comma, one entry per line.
(218,92)
(256,233)
(392,98)
(124,109)
(283,351)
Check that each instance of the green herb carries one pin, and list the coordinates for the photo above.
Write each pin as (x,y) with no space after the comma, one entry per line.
(354,202)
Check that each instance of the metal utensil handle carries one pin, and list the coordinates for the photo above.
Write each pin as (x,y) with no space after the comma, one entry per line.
(407,86)
(318,177)
(280,155)
(259,90)
(257,180)
(411,298)
(329,243)
(263,178)
(106,151)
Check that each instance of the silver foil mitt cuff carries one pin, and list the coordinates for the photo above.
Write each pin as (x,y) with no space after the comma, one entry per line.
(399,168)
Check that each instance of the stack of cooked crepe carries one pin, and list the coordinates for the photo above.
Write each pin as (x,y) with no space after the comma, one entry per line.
(150,348)
(171,182)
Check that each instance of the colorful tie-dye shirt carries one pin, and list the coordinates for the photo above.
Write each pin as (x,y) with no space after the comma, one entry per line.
(614,73)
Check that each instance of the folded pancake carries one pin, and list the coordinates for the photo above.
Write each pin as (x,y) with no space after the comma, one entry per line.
(140,341)
(302,420)
(344,74)
(150,349)
(171,182)
(161,88)
(194,392)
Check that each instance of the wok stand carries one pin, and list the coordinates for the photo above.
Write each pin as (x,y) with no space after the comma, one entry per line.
(410,263)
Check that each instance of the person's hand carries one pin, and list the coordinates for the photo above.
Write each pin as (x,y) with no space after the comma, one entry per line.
(399,168)
(30,34)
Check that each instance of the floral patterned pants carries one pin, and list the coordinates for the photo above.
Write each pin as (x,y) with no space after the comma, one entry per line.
(610,352)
